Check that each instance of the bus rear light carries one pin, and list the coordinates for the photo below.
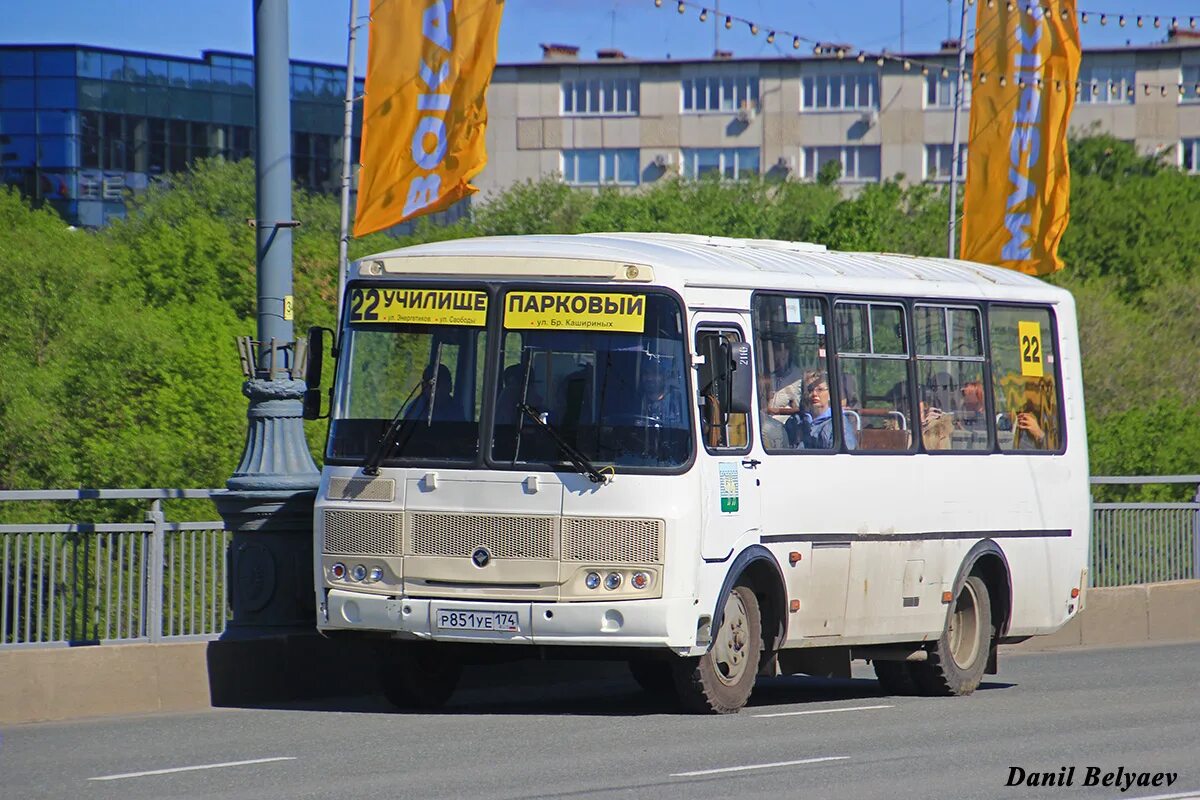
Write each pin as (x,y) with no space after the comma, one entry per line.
(640,580)
(1074,592)
(338,571)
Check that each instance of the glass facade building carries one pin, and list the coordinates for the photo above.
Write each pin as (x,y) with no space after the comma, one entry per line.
(80,127)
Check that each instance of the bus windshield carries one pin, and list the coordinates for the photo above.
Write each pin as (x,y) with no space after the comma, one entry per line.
(616,393)
(430,376)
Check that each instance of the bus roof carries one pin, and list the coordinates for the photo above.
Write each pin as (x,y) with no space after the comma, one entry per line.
(718,262)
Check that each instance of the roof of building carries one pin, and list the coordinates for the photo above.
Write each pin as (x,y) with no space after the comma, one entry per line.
(688,259)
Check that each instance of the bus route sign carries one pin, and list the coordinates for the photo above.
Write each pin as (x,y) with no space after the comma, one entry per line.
(419,306)
(575,311)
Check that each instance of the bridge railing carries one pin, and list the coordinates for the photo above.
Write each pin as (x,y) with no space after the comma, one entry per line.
(151,579)
(1145,542)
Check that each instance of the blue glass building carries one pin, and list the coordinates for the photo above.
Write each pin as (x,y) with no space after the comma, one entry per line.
(81,127)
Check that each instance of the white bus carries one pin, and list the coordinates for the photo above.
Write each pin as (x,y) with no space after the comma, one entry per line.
(714,458)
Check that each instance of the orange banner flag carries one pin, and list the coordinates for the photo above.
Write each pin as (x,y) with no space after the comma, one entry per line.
(429,63)
(1016,201)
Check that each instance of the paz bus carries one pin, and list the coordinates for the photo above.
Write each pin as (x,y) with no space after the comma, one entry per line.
(714,458)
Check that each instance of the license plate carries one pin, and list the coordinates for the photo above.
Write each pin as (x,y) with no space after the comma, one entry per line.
(478,621)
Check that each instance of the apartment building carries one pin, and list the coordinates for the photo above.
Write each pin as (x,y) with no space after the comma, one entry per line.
(615,120)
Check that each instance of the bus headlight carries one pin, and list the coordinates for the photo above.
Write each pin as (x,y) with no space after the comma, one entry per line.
(592,581)
(612,581)
(376,574)
(640,580)
(359,573)
(338,571)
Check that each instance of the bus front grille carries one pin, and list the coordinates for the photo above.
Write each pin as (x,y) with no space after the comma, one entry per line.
(378,490)
(608,540)
(365,533)
(460,535)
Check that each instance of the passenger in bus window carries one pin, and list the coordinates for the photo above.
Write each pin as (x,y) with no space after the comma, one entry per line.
(936,427)
(1030,435)
(973,416)
(817,431)
(662,400)
(439,395)
(787,382)
(774,433)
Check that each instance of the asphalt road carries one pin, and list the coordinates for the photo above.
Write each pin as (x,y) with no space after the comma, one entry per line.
(599,738)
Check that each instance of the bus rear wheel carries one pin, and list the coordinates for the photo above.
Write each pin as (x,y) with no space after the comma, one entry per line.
(416,676)
(720,681)
(956,663)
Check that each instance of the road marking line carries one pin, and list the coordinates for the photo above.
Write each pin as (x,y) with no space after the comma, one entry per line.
(758,766)
(190,769)
(820,711)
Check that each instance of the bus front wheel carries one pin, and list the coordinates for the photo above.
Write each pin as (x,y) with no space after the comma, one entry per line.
(720,681)
(956,664)
(415,676)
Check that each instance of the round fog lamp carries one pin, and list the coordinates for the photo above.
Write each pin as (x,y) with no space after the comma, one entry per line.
(612,581)
(377,574)
(592,580)
(338,571)
(640,580)
(359,572)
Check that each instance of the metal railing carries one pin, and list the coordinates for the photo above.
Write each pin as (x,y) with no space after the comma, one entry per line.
(1145,542)
(88,583)
(152,580)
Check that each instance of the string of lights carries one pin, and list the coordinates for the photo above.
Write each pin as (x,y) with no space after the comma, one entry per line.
(843,51)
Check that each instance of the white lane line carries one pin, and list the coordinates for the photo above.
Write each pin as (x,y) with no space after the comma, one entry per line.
(758,766)
(820,711)
(1192,795)
(190,769)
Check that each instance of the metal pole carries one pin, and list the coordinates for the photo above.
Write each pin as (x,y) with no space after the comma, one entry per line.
(269,502)
(347,134)
(954,157)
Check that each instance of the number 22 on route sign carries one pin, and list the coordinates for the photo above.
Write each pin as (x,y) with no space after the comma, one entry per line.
(1030,334)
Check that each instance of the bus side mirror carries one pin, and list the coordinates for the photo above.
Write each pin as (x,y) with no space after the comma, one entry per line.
(741,379)
(313,357)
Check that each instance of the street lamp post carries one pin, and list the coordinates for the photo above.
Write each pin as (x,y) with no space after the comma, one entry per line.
(268,504)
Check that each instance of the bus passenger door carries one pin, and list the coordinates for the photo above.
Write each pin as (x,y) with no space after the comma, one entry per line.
(730,505)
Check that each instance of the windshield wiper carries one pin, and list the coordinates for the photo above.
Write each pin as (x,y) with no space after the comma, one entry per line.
(577,459)
(391,435)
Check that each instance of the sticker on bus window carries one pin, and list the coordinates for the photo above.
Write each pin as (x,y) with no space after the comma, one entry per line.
(576,311)
(728,473)
(1030,335)
(791,311)
(419,306)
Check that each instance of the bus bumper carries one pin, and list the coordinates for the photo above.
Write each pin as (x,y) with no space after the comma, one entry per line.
(663,622)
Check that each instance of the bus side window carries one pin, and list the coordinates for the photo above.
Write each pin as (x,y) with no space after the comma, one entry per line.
(872,356)
(720,430)
(950,364)
(1024,379)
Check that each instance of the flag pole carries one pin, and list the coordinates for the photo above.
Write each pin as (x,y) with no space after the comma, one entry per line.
(955,158)
(347,134)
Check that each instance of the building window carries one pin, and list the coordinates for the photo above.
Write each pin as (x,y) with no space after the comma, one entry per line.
(1191,84)
(1106,85)
(593,167)
(937,162)
(939,91)
(724,162)
(840,91)
(858,162)
(1190,155)
(716,93)
(593,96)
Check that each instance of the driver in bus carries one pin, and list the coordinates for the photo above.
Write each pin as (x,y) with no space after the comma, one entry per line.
(439,393)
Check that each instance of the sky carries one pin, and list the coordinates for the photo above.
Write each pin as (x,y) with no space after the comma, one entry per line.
(319,27)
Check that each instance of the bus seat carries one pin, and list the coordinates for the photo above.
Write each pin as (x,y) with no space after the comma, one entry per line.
(883,439)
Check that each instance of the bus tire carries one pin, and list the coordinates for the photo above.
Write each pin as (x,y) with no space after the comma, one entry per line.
(654,675)
(896,677)
(720,681)
(417,677)
(956,663)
